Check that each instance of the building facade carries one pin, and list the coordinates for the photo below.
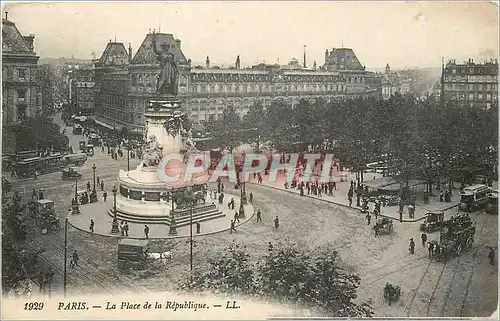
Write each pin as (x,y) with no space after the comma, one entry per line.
(20,95)
(82,91)
(470,84)
(206,91)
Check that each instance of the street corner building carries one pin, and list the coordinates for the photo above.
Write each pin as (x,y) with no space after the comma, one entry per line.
(125,82)
(21,96)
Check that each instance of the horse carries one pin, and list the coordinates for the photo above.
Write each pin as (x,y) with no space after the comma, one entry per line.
(163,257)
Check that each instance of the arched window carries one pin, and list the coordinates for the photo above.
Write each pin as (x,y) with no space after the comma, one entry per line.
(141,80)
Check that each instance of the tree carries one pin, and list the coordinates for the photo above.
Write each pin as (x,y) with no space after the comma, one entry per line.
(13,232)
(40,132)
(225,131)
(289,273)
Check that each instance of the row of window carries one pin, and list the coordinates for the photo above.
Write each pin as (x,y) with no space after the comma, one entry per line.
(19,73)
(475,97)
(462,86)
(252,88)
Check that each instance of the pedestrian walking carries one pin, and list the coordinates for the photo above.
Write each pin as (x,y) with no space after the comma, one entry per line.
(368,218)
(91,227)
(198,228)
(104,196)
(75,258)
(250,197)
(259,216)
(146,231)
(232,228)
(491,256)
(412,246)
(276,222)
(98,180)
(40,194)
(102,185)
(270,247)
(431,249)
(125,228)
(424,239)
(88,186)
(236,218)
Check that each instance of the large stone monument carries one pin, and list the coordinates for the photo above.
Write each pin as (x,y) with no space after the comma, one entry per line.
(143,197)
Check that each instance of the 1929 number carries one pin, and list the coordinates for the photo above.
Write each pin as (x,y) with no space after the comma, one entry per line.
(33,306)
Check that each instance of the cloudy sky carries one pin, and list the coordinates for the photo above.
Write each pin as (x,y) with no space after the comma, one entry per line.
(403,34)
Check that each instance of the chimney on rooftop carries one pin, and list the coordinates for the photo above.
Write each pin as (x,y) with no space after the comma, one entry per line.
(129,52)
(207,62)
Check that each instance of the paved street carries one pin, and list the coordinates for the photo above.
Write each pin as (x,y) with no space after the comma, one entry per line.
(312,223)
(309,221)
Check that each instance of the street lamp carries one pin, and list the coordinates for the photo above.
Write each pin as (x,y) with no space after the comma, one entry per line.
(114,225)
(94,168)
(128,158)
(190,198)
(75,209)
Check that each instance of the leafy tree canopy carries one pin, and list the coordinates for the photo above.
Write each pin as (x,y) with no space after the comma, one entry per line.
(289,274)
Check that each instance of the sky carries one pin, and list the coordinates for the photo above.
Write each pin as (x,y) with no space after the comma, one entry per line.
(403,34)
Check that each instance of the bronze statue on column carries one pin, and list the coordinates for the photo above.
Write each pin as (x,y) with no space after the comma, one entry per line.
(169,73)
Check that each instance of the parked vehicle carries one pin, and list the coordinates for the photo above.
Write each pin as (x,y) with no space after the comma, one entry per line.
(75,159)
(89,150)
(132,253)
(95,140)
(492,207)
(474,197)
(45,215)
(432,222)
(384,225)
(77,129)
(70,173)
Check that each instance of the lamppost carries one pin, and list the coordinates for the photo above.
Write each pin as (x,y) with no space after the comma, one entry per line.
(128,158)
(75,209)
(65,253)
(189,197)
(114,225)
(94,168)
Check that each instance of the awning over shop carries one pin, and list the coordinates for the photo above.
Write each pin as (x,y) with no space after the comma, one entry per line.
(103,124)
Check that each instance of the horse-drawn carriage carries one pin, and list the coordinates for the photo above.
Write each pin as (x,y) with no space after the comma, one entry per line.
(457,235)
(132,253)
(45,216)
(432,222)
(383,225)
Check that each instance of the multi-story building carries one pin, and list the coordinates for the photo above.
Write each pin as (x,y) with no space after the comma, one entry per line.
(82,91)
(470,84)
(206,91)
(111,86)
(20,95)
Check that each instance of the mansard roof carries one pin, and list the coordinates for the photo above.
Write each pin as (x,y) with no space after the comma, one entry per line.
(115,54)
(343,59)
(146,55)
(12,40)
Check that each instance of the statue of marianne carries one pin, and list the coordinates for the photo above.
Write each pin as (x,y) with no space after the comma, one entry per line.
(168,77)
